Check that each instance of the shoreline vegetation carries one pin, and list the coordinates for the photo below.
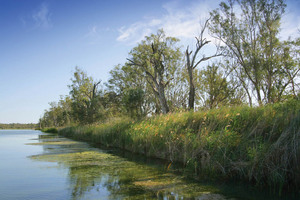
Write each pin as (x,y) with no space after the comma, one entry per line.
(18,126)
(228,114)
(256,145)
(49,130)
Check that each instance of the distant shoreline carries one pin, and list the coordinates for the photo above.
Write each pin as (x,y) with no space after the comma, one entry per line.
(16,126)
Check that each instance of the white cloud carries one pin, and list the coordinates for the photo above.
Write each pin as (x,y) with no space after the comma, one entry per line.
(135,32)
(182,20)
(38,19)
(42,17)
(95,34)
(290,23)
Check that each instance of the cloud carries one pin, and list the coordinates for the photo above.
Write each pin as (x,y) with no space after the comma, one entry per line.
(95,34)
(182,20)
(290,23)
(42,17)
(38,19)
(135,32)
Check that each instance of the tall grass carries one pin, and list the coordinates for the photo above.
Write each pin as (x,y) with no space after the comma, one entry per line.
(49,130)
(259,145)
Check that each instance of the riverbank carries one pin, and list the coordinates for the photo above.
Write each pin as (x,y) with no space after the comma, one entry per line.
(16,126)
(257,145)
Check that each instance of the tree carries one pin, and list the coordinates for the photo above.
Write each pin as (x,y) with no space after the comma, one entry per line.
(133,101)
(157,57)
(252,41)
(65,103)
(192,61)
(177,90)
(286,83)
(58,115)
(217,88)
(86,104)
(129,78)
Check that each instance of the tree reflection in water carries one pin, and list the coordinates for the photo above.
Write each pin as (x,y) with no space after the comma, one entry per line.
(94,173)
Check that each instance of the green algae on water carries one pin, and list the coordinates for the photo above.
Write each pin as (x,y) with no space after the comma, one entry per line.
(91,169)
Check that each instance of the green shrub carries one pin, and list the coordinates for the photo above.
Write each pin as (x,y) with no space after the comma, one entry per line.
(49,130)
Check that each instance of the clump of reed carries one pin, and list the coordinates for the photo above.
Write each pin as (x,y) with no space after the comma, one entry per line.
(259,145)
(49,130)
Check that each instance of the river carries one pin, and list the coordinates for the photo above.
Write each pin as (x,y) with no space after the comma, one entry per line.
(34,165)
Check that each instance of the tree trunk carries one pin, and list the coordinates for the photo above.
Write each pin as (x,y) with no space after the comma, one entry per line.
(162,99)
(192,88)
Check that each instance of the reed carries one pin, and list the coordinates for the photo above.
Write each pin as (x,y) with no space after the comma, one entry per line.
(50,130)
(258,145)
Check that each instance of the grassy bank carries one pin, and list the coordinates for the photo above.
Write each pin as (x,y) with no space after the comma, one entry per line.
(49,130)
(258,145)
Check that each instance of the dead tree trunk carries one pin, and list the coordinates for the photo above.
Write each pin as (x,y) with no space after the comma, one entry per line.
(191,62)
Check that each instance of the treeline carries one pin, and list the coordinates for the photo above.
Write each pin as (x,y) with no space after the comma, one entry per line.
(251,65)
(18,126)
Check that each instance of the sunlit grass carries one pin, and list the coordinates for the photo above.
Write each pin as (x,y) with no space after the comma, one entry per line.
(259,145)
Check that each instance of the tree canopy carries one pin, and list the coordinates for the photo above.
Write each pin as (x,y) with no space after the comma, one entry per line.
(254,67)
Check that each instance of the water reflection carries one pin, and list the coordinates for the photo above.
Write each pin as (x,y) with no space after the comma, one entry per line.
(103,174)
(95,173)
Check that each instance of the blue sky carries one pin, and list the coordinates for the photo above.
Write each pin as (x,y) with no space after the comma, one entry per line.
(41,42)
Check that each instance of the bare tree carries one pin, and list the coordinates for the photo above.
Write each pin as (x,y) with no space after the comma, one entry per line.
(192,61)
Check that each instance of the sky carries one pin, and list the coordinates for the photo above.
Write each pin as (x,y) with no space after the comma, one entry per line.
(41,42)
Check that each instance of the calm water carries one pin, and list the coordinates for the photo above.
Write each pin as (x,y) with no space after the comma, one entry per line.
(34,165)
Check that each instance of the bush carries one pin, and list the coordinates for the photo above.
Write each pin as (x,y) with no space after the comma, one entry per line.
(49,130)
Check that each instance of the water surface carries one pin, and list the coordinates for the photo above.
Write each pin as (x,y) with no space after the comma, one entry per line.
(35,165)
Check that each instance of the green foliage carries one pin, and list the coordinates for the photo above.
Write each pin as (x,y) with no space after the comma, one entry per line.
(157,57)
(260,144)
(86,104)
(130,89)
(250,31)
(18,126)
(216,89)
(133,100)
(58,115)
(225,139)
(50,130)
